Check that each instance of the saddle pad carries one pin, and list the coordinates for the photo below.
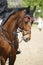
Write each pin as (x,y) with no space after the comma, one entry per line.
(1,21)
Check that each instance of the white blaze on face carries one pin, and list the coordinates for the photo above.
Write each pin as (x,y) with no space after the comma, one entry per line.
(25,37)
(1,21)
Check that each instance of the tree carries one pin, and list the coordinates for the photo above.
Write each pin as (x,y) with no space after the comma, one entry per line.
(32,3)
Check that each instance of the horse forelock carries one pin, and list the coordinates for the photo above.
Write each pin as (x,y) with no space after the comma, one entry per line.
(27,16)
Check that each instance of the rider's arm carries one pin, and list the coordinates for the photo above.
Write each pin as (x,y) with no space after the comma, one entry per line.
(3,6)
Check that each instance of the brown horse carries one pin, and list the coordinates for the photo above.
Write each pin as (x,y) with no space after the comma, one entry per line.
(31,13)
(8,39)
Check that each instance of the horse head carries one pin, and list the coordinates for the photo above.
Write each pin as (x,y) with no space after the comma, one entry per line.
(19,19)
(31,12)
(25,27)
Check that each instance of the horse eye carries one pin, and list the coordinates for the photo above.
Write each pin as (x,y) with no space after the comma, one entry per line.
(26,22)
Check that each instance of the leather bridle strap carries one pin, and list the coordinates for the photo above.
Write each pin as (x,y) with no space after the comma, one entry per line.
(11,43)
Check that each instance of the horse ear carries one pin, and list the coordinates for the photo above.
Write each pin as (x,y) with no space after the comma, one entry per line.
(28,7)
(28,10)
(31,22)
(34,8)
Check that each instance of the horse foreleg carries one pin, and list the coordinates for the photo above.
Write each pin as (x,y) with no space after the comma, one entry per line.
(3,61)
(12,60)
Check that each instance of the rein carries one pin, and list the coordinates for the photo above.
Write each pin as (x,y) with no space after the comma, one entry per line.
(11,43)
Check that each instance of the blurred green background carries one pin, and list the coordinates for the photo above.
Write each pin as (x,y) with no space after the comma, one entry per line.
(39,6)
(25,3)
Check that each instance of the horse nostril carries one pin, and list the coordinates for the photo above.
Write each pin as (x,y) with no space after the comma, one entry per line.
(27,39)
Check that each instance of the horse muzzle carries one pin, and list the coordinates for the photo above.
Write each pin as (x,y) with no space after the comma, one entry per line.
(26,38)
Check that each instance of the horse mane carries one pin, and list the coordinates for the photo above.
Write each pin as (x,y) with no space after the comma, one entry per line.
(13,12)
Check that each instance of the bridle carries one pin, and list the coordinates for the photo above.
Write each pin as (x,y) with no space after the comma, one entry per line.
(21,28)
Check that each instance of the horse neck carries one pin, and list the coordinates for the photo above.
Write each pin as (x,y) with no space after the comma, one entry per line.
(10,26)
